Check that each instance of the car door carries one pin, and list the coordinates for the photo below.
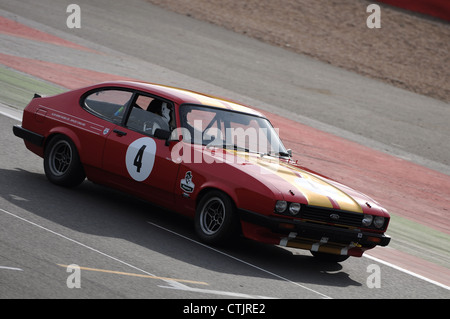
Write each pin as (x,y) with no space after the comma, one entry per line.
(105,106)
(137,161)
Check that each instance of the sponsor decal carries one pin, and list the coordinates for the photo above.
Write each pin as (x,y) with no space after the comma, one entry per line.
(186,183)
(72,120)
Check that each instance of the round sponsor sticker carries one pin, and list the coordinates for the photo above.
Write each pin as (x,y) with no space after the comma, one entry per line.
(140,158)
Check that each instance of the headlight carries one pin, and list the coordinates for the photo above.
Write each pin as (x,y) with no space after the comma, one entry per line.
(294,208)
(367,220)
(280,206)
(378,221)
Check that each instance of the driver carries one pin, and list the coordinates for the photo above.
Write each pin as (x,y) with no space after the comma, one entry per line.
(163,112)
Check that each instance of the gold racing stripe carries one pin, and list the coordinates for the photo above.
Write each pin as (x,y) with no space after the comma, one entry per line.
(206,100)
(306,185)
(317,191)
(220,103)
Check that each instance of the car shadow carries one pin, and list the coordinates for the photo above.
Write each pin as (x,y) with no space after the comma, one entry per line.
(100,211)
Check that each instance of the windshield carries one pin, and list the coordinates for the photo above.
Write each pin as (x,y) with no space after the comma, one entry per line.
(225,128)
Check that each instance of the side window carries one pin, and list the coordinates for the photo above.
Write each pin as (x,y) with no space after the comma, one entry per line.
(148,114)
(108,103)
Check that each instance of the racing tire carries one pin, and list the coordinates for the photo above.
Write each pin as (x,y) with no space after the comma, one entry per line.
(329,257)
(216,221)
(62,163)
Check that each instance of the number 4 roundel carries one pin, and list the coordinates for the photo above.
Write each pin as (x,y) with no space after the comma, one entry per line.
(140,158)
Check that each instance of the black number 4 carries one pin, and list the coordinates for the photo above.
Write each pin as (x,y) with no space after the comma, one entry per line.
(138,159)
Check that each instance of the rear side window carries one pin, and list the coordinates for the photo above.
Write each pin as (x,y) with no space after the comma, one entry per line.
(108,103)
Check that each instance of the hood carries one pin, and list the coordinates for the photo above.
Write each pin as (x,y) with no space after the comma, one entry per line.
(296,184)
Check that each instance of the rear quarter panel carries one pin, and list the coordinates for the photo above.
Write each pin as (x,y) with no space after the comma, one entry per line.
(62,114)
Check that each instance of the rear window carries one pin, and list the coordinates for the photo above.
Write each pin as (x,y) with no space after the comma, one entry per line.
(108,103)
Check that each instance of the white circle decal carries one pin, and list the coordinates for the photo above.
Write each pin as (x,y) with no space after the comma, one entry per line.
(140,158)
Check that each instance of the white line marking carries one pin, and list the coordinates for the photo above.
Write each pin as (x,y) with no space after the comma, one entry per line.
(81,244)
(14,117)
(171,283)
(242,261)
(180,286)
(407,272)
(11,112)
(367,256)
(10,268)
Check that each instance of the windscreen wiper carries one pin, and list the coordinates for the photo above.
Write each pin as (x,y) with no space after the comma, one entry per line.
(235,147)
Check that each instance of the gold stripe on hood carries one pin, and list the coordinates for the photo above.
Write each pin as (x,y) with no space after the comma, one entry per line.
(316,190)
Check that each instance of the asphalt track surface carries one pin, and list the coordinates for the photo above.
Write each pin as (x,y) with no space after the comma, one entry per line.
(134,250)
(129,249)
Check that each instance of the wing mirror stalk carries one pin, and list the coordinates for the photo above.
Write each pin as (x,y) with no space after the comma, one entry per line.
(163,135)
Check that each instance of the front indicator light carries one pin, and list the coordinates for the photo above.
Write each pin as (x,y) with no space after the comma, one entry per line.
(294,208)
(367,220)
(286,226)
(374,239)
(378,221)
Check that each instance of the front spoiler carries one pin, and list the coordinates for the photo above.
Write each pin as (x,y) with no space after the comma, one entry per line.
(317,237)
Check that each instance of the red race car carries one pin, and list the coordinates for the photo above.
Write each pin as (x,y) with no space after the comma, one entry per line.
(219,162)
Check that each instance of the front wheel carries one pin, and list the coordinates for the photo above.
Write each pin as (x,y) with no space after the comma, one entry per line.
(62,164)
(216,221)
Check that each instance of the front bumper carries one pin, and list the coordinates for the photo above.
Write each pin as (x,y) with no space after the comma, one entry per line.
(314,236)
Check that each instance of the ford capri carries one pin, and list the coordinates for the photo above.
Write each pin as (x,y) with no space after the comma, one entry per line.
(216,161)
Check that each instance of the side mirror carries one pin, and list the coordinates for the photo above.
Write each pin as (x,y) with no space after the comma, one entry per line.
(162,135)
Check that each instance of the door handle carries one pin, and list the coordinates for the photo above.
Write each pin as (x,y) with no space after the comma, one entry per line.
(120,133)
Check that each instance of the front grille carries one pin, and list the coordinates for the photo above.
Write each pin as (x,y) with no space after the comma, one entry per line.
(324,215)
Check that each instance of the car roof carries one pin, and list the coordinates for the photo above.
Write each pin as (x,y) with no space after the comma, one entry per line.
(183,96)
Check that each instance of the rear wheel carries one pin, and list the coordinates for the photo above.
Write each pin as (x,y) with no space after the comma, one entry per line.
(62,164)
(216,221)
